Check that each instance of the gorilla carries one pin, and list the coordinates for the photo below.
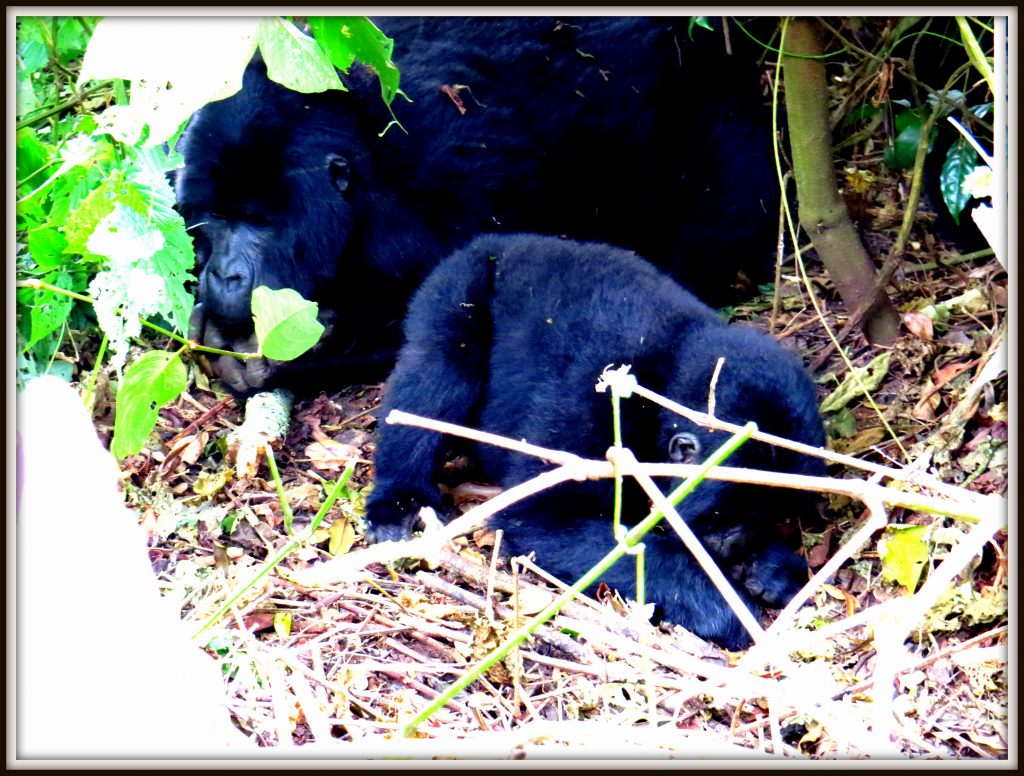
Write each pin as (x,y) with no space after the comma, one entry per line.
(617,129)
(510,335)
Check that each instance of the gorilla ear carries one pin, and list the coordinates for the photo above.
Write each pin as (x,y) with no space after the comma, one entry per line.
(684,447)
(339,170)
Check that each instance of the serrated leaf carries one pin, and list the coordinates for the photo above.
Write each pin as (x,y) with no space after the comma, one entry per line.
(148,174)
(149,382)
(862,378)
(961,160)
(167,84)
(177,256)
(46,245)
(347,38)
(98,205)
(49,310)
(32,52)
(72,37)
(286,324)
(294,59)
(903,551)
(32,157)
(172,263)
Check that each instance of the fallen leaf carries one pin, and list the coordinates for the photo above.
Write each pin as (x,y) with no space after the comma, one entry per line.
(343,536)
(944,374)
(328,455)
(860,442)
(306,495)
(920,325)
(928,403)
(266,512)
(860,379)
(209,484)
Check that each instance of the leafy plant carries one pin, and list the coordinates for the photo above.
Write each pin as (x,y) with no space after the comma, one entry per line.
(961,159)
(100,105)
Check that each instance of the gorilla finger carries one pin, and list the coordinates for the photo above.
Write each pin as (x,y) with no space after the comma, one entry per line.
(258,371)
(230,370)
(212,337)
(196,322)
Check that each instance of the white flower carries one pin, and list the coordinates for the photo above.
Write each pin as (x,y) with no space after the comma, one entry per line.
(978,182)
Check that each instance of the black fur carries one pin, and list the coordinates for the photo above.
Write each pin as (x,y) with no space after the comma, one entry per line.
(510,335)
(611,128)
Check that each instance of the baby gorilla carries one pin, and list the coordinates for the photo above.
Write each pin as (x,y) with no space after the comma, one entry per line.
(510,335)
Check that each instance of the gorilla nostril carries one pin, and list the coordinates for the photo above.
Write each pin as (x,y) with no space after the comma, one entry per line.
(228,279)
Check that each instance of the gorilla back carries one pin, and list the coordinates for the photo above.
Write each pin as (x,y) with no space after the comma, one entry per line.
(510,335)
(596,128)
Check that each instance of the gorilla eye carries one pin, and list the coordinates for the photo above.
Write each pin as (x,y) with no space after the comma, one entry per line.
(684,447)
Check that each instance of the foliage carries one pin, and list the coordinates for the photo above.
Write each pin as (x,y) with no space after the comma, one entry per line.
(155,378)
(960,160)
(286,324)
(95,210)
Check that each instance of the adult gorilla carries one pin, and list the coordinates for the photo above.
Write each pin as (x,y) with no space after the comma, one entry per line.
(605,128)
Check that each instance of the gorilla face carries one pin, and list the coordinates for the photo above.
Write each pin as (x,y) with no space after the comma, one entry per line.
(265,204)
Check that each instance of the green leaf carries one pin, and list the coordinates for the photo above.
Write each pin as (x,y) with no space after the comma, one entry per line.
(175,65)
(862,378)
(286,324)
(841,425)
(961,159)
(954,100)
(33,157)
(96,206)
(900,154)
(177,256)
(72,37)
(49,310)
(903,551)
(294,59)
(698,21)
(172,263)
(861,113)
(147,174)
(32,53)
(347,38)
(46,246)
(149,382)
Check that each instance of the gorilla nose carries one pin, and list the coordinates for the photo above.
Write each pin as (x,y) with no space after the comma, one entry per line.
(228,288)
(232,280)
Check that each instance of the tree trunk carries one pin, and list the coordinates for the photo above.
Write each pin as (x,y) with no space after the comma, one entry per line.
(823,213)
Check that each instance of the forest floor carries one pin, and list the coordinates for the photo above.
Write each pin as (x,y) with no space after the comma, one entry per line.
(352,662)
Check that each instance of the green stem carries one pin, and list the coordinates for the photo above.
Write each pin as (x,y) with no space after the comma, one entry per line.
(285,508)
(617,438)
(40,116)
(283,552)
(87,400)
(629,540)
(190,345)
(975,54)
